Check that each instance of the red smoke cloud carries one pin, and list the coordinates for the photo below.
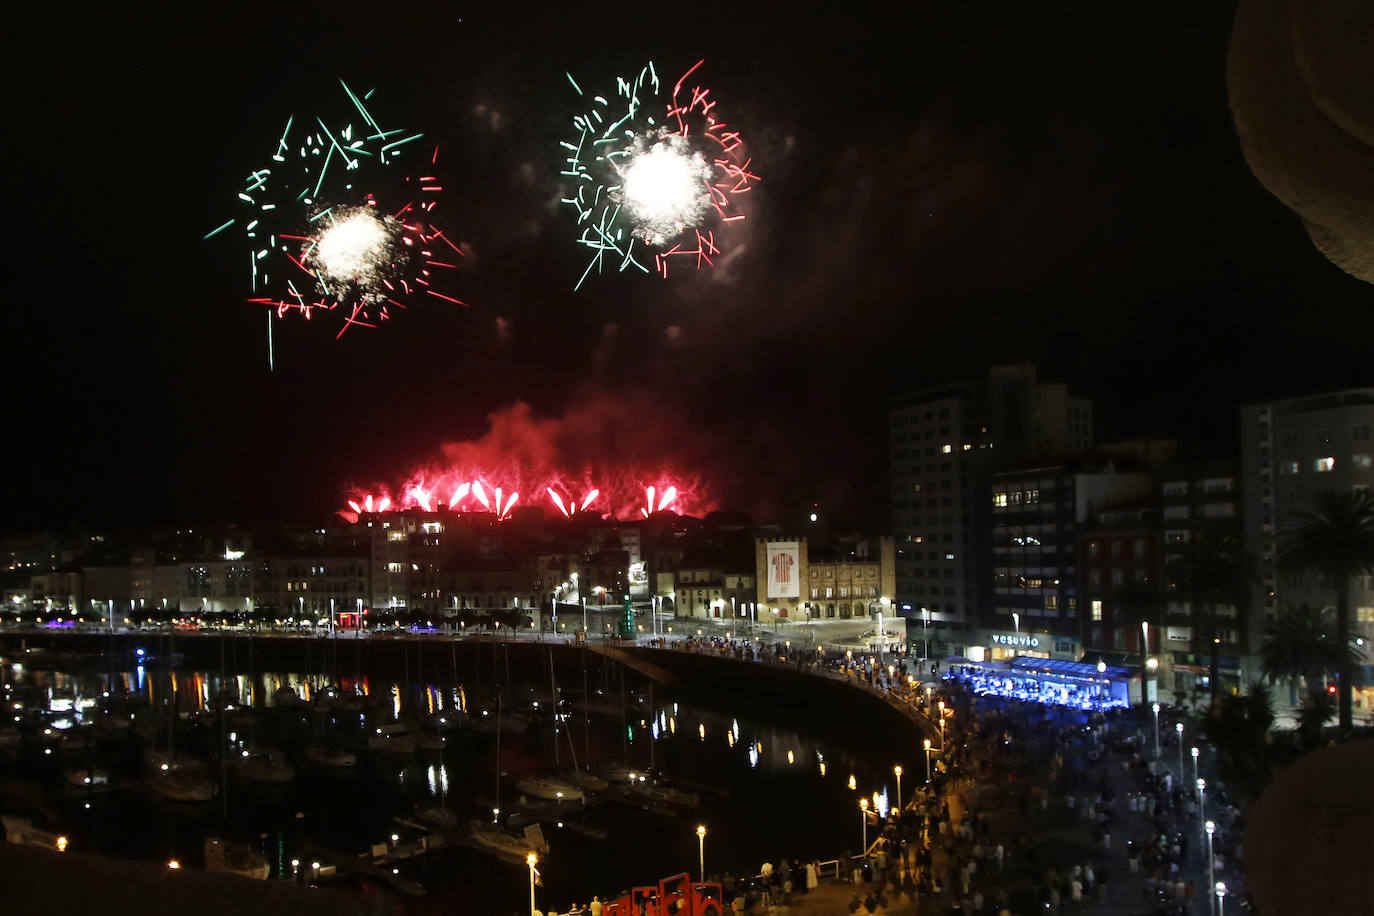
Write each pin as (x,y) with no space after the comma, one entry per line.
(619,445)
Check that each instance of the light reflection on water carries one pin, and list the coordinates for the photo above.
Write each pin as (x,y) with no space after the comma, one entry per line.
(744,767)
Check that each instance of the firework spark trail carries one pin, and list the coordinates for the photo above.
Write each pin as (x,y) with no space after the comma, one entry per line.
(646,175)
(318,236)
(475,496)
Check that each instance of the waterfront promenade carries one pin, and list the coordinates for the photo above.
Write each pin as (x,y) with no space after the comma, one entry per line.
(1087,818)
(1015,766)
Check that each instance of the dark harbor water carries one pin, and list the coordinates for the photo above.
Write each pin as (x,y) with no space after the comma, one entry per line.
(772,782)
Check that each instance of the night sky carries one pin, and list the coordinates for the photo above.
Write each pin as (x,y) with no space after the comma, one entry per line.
(968,184)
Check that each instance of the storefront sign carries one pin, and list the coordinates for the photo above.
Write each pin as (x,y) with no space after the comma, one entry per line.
(1025,641)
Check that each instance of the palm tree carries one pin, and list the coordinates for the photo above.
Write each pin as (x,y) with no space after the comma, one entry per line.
(1302,643)
(1333,539)
(1214,570)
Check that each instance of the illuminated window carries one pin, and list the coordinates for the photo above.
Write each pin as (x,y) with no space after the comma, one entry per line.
(946,448)
(1097,608)
(1360,461)
(396,536)
(1324,464)
(1288,467)
(999,499)
(395,567)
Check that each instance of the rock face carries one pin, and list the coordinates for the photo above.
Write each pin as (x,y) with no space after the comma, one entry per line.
(1306,843)
(1302,95)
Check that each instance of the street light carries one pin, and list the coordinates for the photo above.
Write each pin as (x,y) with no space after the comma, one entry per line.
(1202,798)
(1016,622)
(1155,707)
(925,634)
(1144,660)
(1221,898)
(1178,727)
(927,743)
(532,860)
(701,850)
(898,770)
(1211,876)
(863,819)
(1194,753)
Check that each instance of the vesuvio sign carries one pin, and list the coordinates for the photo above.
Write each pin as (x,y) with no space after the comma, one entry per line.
(1009,639)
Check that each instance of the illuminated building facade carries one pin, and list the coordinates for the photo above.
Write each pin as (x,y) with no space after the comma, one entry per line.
(1291,450)
(944,442)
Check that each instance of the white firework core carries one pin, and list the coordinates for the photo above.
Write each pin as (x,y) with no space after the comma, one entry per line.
(665,188)
(356,248)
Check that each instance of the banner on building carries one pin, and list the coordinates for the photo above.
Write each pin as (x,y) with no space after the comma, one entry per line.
(784,569)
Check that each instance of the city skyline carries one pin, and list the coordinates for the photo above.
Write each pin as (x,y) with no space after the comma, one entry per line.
(933,199)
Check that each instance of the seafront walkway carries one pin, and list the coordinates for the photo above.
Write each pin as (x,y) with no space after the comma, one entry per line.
(1034,809)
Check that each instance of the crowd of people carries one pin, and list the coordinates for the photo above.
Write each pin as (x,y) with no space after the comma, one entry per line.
(1030,808)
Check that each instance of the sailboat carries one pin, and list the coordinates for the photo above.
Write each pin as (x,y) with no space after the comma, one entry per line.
(175,776)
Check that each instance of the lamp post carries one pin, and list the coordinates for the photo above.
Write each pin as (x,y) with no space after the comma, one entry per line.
(532,860)
(898,770)
(942,725)
(927,743)
(1155,707)
(863,820)
(584,615)
(1194,752)
(701,850)
(1178,727)
(1202,798)
(1144,660)
(1221,898)
(1211,875)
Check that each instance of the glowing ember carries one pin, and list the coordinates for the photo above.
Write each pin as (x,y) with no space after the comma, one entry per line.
(668,188)
(334,222)
(357,248)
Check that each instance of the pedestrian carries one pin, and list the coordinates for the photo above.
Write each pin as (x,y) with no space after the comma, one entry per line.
(596,906)
(811,875)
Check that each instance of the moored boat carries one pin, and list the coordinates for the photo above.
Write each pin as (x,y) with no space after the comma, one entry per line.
(84,778)
(329,757)
(500,841)
(235,858)
(263,765)
(392,739)
(665,796)
(550,787)
(182,786)
(586,780)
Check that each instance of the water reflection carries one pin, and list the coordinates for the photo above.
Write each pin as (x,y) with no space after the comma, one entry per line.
(739,765)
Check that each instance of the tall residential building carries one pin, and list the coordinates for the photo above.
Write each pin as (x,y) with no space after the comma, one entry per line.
(1291,450)
(944,442)
(1037,514)
(1200,500)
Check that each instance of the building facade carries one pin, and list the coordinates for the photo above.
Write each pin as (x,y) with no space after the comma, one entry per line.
(1291,450)
(944,442)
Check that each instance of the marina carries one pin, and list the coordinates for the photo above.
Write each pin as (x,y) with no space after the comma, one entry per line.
(287,766)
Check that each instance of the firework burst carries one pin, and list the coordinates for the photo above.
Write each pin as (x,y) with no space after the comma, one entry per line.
(340,221)
(653,176)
